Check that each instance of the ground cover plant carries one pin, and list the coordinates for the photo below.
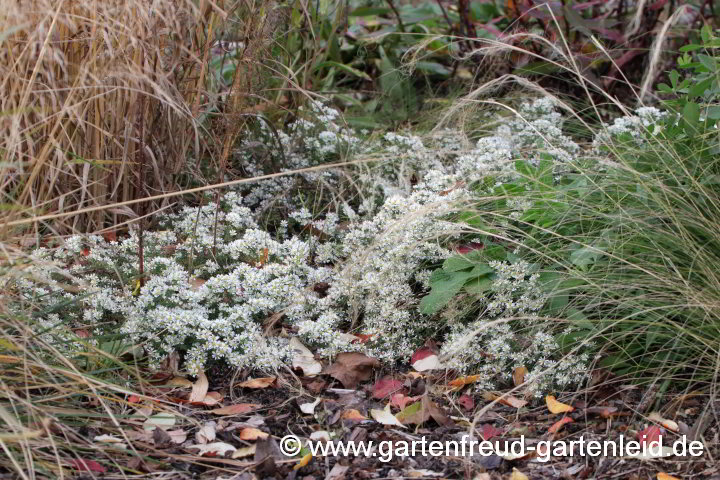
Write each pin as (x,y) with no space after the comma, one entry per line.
(363,279)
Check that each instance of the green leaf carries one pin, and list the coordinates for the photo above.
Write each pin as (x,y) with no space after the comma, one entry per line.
(443,288)
(713,112)
(433,68)
(674,77)
(369,11)
(478,286)
(691,115)
(345,68)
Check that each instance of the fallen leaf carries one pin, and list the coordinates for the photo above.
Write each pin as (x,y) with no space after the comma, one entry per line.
(557,407)
(466,401)
(665,476)
(196,283)
(212,398)
(320,435)
(199,388)
(309,408)
(489,431)
(669,424)
(177,436)
(420,412)
(386,386)
(518,375)
(179,382)
(206,433)
(508,400)
(337,472)
(212,449)
(518,475)
(303,461)
(250,433)
(87,465)
(649,435)
(385,417)
(162,420)
(458,383)
(400,400)
(134,399)
(651,453)
(425,359)
(559,424)
(236,409)
(605,412)
(244,452)
(351,368)
(304,359)
(258,382)
(424,473)
(353,414)
(107,439)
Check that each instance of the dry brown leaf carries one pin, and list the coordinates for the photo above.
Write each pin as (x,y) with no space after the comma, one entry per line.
(351,368)
(304,359)
(557,407)
(199,388)
(508,400)
(518,475)
(244,452)
(518,375)
(353,414)
(258,382)
(250,433)
(236,409)
(179,382)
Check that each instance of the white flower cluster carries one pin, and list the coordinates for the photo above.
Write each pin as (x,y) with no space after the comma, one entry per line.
(218,285)
(634,127)
(506,336)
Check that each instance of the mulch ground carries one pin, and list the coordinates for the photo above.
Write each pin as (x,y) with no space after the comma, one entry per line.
(229,425)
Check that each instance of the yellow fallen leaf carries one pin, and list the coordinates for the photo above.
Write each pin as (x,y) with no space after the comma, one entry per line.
(518,475)
(665,476)
(519,375)
(257,382)
(303,461)
(9,359)
(180,382)
(557,407)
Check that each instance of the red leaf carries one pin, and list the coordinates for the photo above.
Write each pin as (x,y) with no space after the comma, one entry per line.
(650,435)
(385,387)
(133,399)
(400,400)
(87,465)
(466,401)
(422,352)
(489,431)
(469,247)
(86,252)
(362,338)
(559,424)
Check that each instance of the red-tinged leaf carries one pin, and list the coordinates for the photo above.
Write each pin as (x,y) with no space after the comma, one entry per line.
(420,354)
(110,236)
(400,400)
(559,424)
(458,383)
(362,337)
(134,399)
(650,435)
(489,431)
(386,386)
(87,465)
(236,409)
(86,252)
(466,401)
(82,333)
(469,247)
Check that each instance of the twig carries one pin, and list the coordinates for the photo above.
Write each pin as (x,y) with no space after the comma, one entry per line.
(401,26)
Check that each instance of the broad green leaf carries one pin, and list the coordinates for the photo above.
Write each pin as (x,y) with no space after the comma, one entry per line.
(369,11)
(691,115)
